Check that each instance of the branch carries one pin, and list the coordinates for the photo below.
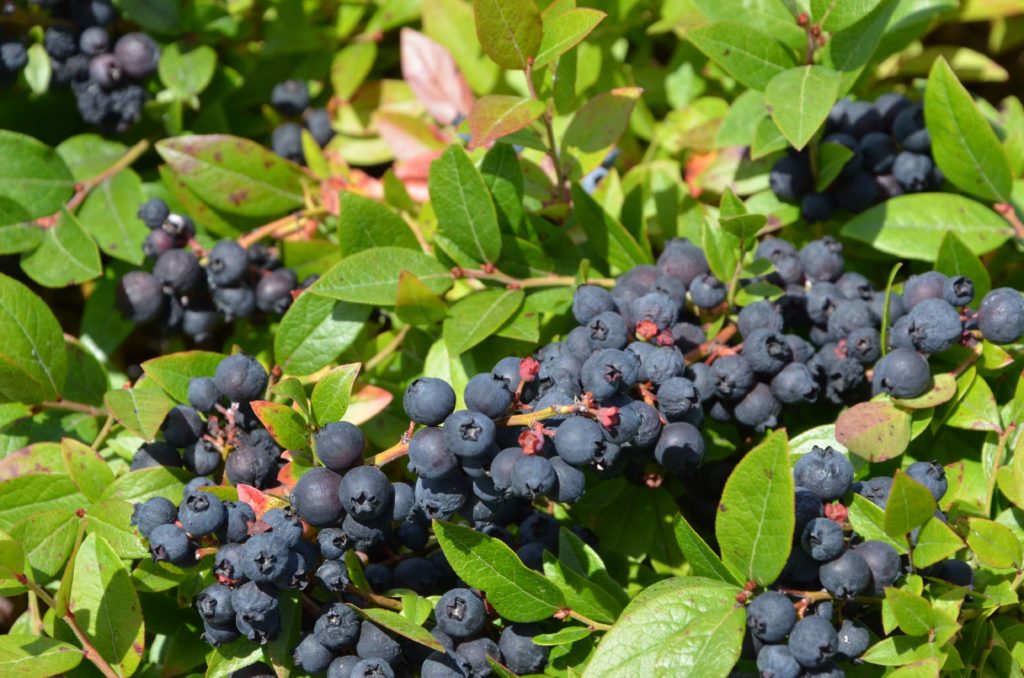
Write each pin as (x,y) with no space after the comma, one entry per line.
(72,406)
(569,613)
(493,274)
(379,601)
(1010,214)
(282,227)
(386,352)
(82,189)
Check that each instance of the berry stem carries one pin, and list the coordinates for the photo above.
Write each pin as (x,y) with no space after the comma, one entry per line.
(282,227)
(590,623)
(520,283)
(82,189)
(710,346)
(72,406)
(387,351)
(529,418)
(1006,209)
(396,451)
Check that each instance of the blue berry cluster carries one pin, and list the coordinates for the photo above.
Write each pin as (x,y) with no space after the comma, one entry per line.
(290,98)
(796,631)
(191,291)
(891,156)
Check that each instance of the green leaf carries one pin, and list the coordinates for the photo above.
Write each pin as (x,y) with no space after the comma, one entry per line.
(835,15)
(234,175)
(597,126)
(832,157)
(173,372)
(34,493)
(109,215)
(875,430)
(942,391)
(703,561)
(88,155)
(159,17)
(964,145)
(913,226)
(350,67)
(47,539)
(86,468)
(38,70)
(110,519)
(497,115)
(478,316)
(935,541)
(416,304)
(756,507)
(187,74)
(33,359)
(910,504)
(993,544)
(799,100)
(849,50)
(66,255)
(371,276)
(402,626)
(509,31)
(465,211)
(580,594)
(18,233)
(284,424)
(332,393)
(576,554)
(955,258)
(565,31)
(708,646)
(565,636)
(721,248)
(147,483)
(867,518)
(314,331)
(235,656)
(915,616)
(33,176)
(503,177)
(901,650)
(607,239)
(140,410)
(364,224)
(767,139)
(745,53)
(31,656)
(517,593)
(292,389)
(976,410)
(662,611)
(105,605)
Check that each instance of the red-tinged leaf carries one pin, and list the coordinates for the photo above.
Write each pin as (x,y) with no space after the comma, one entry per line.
(875,430)
(497,115)
(260,502)
(414,174)
(367,404)
(431,73)
(408,136)
(284,424)
(286,480)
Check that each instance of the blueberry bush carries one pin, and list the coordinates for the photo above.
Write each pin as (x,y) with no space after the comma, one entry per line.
(468,338)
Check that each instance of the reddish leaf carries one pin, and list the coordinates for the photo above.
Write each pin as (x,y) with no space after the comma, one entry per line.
(414,174)
(408,136)
(260,502)
(367,403)
(431,73)
(497,115)
(874,430)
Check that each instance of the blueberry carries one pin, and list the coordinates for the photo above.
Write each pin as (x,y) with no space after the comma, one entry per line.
(241,378)
(152,513)
(507,369)
(404,501)
(883,561)
(340,446)
(854,639)
(214,605)
(170,543)
(218,635)
(521,654)
(814,207)
(468,433)
(823,259)
(227,264)
(236,527)
(760,315)
(958,290)
(878,152)
(93,13)
(932,475)
(315,497)
(417,574)
(758,409)
(441,498)
(150,455)
(532,477)
(876,490)
(771,616)
(775,661)
(846,576)
(649,430)
(677,397)
(1001,316)
(956,572)
(333,543)
(235,302)
(428,401)
(13,57)
(907,122)
(589,301)
(257,611)
(821,301)
(934,326)
(460,613)
(825,472)
(202,513)
(199,320)
(140,297)
(822,539)
(807,507)
(105,70)
(429,457)
(849,315)
(290,97)
(203,393)
(861,118)
(767,351)
(247,465)
(800,571)
(790,178)
(379,577)
(655,307)
(365,492)
(138,54)
(571,482)
(337,627)
(682,260)
(318,122)
(312,656)
(733,377)
(182,426)
(60,42)
(264,557)
(286,141)
(607,330)
(853,165)
(476,652)
(794,384)
(580,441)
(813,642)
(902,373)
(375,643)
(864,345)
(680,447)
(918,288)
(802,349)
(274,291)
(332,575)
(707,291)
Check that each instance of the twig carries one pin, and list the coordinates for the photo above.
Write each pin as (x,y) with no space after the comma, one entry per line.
(379,601)
(396,451)
(528,418)
(72,406)
(702,351)
(387,351)
(1010,214)
(101,437)
(521,283)
(88,650)
(573,614)
(82,189)
(279,228)
(549,127)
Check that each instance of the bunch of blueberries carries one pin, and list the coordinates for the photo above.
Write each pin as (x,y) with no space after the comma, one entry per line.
(105,75)
(192,292)
(891,156)
(291,99)
(791,638)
